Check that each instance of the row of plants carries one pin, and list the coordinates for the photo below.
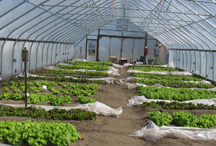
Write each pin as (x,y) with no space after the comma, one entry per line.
(91,63)
(36,98)
(18,87)
(182,118)
(153,68)
(166,77)
(38,133)
(40,113)
(178,105)
(38,85)
(64,79)
(178,94)
(69,72)
(76,89)
(175,84)
(83,66)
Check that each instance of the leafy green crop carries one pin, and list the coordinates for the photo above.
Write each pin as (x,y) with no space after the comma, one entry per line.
(166,77)
(36,98)
(6,89)
(4,83)
(38,133)
(149,68)
(39,113)
(159,118)
(182,118)
(185,119)
(99,67)
(60,100)
(178,105)
(179,94)
(84,99)
(173,83)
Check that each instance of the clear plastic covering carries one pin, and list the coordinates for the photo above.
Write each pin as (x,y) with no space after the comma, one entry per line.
(179,24)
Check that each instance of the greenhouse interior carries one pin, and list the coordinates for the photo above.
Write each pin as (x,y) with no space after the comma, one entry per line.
(107,72)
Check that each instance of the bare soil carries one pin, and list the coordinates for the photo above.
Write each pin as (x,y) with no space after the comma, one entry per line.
(113,131)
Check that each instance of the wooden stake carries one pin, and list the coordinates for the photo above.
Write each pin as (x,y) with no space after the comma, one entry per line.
(53,115)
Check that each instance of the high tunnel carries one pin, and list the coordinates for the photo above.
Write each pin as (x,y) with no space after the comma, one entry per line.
(51,29)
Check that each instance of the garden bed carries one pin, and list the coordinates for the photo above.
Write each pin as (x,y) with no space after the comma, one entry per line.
(57,93)
(115,131)
(152,68)
(78,74)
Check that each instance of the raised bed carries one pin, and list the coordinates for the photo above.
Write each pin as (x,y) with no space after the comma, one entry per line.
(99,67)
(38,133)
(182,118)
(77,74)
(58,94)
(175,84)
(166,77)
(177,105)
(178,94)
(55,114)
(150,68)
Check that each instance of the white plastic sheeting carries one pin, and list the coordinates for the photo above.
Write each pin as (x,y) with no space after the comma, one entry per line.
(183,73)
(152,132)
(203,81)
(170,64)
(97,107)
(199,62)
(137,100)
(79,59)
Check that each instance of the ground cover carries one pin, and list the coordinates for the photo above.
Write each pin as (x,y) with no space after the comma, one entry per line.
(177,105)
(166,77)
(182,118)
(38,133)
(173,83)
(153,68)
(178,94)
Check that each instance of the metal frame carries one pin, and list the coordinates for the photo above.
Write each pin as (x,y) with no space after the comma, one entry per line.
(64,23)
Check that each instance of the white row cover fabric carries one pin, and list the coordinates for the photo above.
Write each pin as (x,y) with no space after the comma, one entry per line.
(183,73)
(137,100)
(152,132)
(97,107)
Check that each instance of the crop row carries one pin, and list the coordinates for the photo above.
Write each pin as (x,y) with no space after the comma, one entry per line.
(64,79)
(56,114)
(179,94)
(91,63)
(184,119)
(78,74)
(178,105)
(77,89)
(83,66)
(150,68)
(36,86)
(166,77)
(38,133)
(175,84)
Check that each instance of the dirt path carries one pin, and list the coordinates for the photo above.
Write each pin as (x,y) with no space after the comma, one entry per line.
(113,131)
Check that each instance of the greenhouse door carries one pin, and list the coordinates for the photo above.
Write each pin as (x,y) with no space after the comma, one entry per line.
(91,50)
